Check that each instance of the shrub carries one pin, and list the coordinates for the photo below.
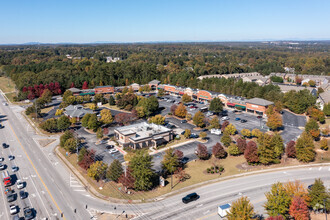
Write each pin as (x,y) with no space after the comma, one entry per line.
(324,144)
(233,149)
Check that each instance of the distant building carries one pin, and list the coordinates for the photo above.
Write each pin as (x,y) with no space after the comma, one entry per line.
(233,75)
(112,60)
(75,91)
(76,111)
(324,98)
(135,87)
(104,89)
(142,135)
(154,84)
(257,105)
(260,80)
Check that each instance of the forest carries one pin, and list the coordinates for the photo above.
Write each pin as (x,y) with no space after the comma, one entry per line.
(176,63)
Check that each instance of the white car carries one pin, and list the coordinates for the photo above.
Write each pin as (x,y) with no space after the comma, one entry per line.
(14,168)
(112,151)
(20,184)
(215,131)
(11,157)
(225,118)
(13,209)
(2,159)
(2,166)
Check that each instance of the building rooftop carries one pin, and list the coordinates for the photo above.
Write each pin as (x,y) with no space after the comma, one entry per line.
(77,111)
(74,90)
(155,81)
(142,130)
(103,86)
(325,97)
(259,101)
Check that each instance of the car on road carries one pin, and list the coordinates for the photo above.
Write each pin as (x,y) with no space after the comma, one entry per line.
(11,157)
(225,118)
(190,197)
(2,159)
(16,217)
(5,103)
(20,184)
(28,213)
(14,168)
(237,119)
(243,120)
(112,151)
(13,209)
(2,166)
(183,121)
(22,194)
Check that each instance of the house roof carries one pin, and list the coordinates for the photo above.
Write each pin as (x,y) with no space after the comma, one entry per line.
(287,88)
(325,97)
(77,111)
(103,86)
(259,101)
(155,81)
(74,90)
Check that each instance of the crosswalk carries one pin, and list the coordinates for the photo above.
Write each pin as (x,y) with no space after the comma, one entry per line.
(77,186)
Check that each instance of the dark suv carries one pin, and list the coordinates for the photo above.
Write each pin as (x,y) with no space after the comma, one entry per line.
(190,197)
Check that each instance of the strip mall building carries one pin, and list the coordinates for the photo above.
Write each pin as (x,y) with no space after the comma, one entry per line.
(256,106)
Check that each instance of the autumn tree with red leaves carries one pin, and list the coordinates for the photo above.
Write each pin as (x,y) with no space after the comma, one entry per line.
(224,125)
(291,149)
(202,152)
(127,179)
(299,209)
(218,151)
(87,160)
(251,152)
(85,85)
(241,144)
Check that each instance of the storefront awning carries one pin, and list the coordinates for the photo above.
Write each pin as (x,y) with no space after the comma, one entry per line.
(230,104)
(181,93)
(240,106)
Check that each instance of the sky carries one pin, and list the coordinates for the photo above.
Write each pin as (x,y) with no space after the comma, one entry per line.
(83,21)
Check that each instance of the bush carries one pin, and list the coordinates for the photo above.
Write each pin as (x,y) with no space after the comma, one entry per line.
(324,144)
(291,149)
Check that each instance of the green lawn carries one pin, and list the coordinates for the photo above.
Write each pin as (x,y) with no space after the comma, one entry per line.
(6,85)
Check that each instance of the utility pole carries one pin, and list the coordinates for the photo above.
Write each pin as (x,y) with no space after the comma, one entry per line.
(325,209)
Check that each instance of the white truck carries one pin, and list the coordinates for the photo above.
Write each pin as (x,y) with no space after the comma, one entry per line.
(215,131)
(223,210)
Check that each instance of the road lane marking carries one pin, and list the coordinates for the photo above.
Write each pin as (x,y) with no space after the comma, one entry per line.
(35,169)
(206,212)
(320,168)
(40,197)
(200,205)
(207,216)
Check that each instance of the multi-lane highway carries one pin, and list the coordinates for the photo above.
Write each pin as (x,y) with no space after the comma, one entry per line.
(53,190)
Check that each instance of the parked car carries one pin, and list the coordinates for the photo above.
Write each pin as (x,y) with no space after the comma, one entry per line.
(4,145)
(10,196)
(14,168)
(190,197)
(11,157)
(215,131)
(184,160)
(225,118)
(2,159)
(13,209)
(259,116)
(28,213)
(237,119)
(22,194)
(103,141)
(109,147)
(243,120)
(183,121)
(2,166)
(20,184)
(112,151)
(183,132)
(193,135)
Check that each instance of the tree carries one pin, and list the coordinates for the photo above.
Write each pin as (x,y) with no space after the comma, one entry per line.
(298,209)
(123,118)
(46,96)
(214,123)
(99,133)
(70,145)
(58,112)
(256,133)
(127,179)
(311,83)
(64,137)
(149,105)
(157,119)
(180,111)
(99,98)
(114,171)
(324,144)
(179,154)
(266,150)
(313,128)
(161,92)
(224,125)
(49,125)
(87,160)
(202,152)
(185,98)
(187,133)
(233,150)
(82,153)
(173,109)
(112,100)
(85,119)
(326,109)
(188,116)
(241,144)
(246,133)
(251,152)
(141,165)
(106,116)
(274,120)
(218,151)
(140,111)
(66,94)
(305,148)
(297,189)
(225,139)
(216,106)
(279,217)
(170,161)
(85,85)
(93,123)
(230,129)
(97,170)
(203,135)
(277,141)
(278,106)
(318,195)
(241,209)
(198,119)
(278,201)
(290,149)
(63,123)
